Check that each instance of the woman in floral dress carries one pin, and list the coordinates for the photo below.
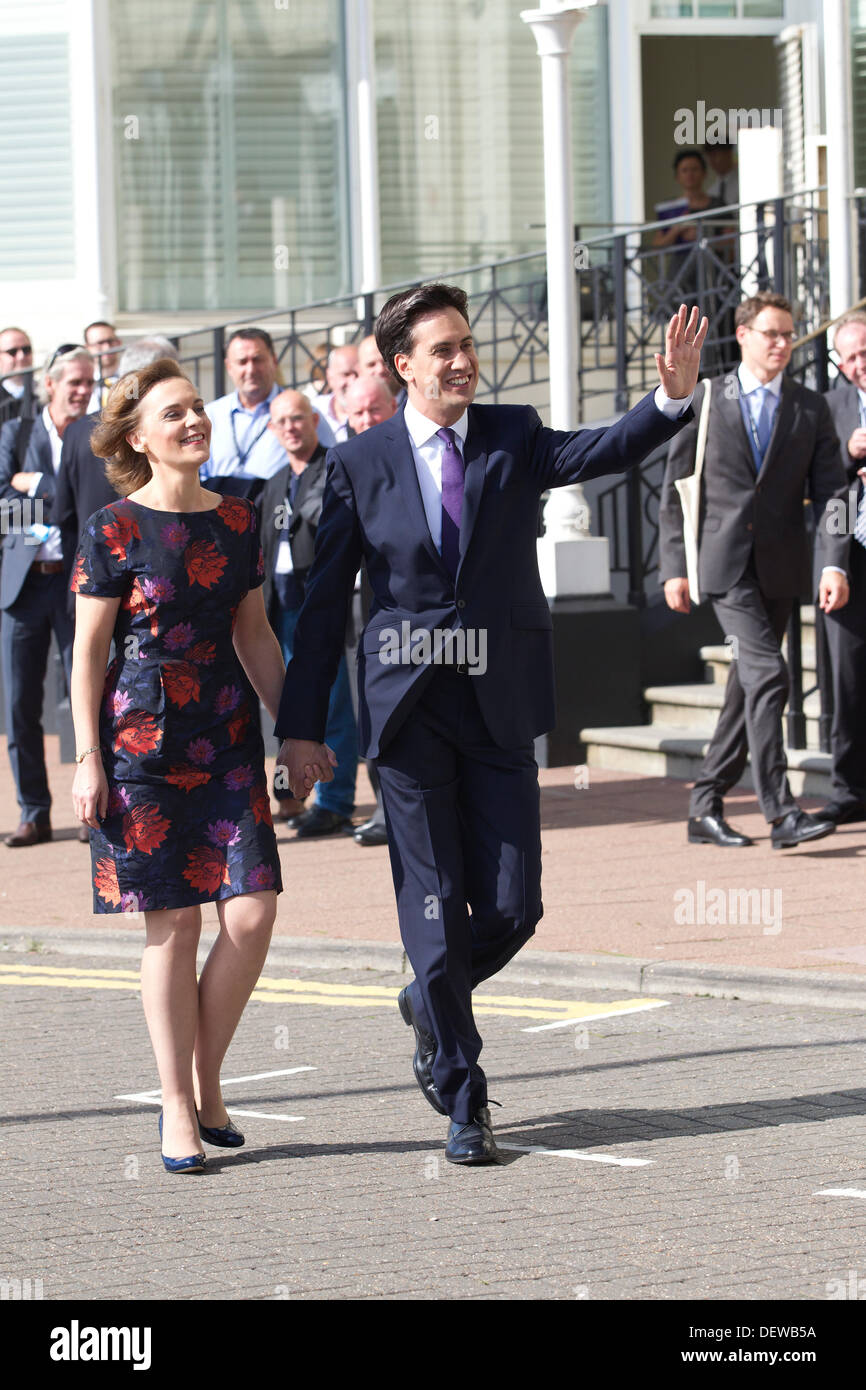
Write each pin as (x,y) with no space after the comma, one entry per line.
(171,775)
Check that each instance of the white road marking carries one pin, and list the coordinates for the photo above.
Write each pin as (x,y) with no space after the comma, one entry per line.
(590,1018)
(841,1192)
(573,1153)
(260,1075)
(154,1097)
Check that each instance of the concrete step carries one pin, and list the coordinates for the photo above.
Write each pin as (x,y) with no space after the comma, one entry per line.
(696,708)
(656,750)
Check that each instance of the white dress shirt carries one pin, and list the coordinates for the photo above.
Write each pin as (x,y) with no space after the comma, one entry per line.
(236,427)
(51,548)
(329,429)
(428,451)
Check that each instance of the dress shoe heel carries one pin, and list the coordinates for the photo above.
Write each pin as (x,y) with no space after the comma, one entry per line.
(194,1164)
(798,828)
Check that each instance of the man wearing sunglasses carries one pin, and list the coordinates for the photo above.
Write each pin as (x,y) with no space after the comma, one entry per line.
(16,357)
(770,447)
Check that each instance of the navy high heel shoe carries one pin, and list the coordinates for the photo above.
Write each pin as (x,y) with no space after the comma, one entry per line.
(194,1164)
(224,1137)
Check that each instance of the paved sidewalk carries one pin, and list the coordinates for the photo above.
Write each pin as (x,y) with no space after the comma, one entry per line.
(619,881)
(691,1149)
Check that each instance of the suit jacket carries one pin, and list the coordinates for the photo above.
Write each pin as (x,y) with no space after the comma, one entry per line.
(19,550)
(744,513)
(82,488)
(844,406)
(302,523)
(373,511)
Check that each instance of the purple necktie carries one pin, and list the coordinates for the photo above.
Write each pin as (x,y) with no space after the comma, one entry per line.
(452,500)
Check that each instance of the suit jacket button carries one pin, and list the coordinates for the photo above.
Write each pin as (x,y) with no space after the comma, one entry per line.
(461,603)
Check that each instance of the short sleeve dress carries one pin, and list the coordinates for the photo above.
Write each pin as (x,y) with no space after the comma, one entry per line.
(188,817)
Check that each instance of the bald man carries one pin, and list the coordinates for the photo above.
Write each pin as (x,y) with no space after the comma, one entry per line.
(291,505)
(341,371)
(368,401)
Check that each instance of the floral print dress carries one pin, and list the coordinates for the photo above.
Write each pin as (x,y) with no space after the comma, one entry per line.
(188,817)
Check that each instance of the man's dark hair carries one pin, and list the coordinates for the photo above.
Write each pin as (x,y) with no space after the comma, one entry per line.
(689,154)
(748,311)
(260,335)
(98,323)
(397,318)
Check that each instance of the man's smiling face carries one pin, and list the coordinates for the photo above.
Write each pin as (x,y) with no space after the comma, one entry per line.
(441,371)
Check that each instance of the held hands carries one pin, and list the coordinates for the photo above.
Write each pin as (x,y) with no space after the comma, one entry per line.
(306,763)
(90,791)
(677,595)
(833,591)
(678,368)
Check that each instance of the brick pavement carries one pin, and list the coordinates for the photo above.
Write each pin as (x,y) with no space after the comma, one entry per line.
(744,1111)
(615,855)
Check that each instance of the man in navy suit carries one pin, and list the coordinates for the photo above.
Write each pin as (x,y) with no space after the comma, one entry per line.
(32,580)
(455,669)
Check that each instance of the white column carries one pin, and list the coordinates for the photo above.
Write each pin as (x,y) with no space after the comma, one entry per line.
(363,145)
(571,562)
(91,119)
(840,157)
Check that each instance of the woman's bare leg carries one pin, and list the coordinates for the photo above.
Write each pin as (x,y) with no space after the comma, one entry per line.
(169,993)
(227,981)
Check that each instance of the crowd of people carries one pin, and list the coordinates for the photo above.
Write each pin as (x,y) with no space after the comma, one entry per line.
(268,444)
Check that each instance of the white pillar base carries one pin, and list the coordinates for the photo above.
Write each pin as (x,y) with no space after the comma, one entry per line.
(574,568)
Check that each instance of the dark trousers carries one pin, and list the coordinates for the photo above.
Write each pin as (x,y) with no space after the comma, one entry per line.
(465,844)
(846,639)
(750,723)
(25,639)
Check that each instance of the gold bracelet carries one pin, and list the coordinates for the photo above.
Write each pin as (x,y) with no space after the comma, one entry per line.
(79,757)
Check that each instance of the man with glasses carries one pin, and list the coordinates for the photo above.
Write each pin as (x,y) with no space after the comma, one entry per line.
(16,355)
(770,447)
(104,346)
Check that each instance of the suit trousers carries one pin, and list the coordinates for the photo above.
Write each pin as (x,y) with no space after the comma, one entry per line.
(465,843)
(25,638)
(750,723)
(846,638)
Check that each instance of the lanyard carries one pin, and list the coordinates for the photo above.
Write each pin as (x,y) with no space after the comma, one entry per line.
(243,454)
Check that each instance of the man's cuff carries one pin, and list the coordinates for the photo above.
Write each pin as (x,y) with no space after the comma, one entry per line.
(33,488)
(671,408)
(834,569)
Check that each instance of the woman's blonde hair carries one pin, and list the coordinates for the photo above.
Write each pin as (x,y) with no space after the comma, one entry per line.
(126,469)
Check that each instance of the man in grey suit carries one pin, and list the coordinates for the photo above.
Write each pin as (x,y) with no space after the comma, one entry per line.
(770,445)
(846,630)
(33,579)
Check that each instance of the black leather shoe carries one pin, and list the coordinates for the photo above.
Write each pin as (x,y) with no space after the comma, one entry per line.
(472,1143)
(714,830)
(425,1051)
(372,832)
(290,812)
(317,822)
(798,827)
(842,814)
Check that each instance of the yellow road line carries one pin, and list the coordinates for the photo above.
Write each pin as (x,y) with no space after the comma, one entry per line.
(292,991)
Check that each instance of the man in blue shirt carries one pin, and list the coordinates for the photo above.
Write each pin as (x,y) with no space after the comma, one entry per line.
(242,446)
